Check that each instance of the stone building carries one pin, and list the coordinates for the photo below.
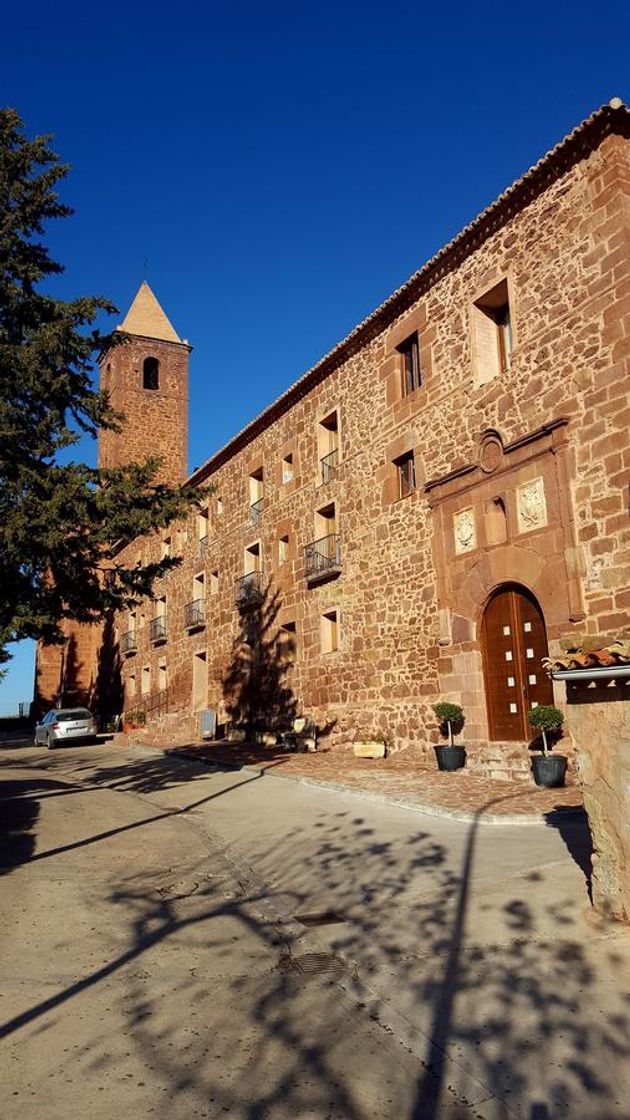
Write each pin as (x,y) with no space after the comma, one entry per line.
(430,510)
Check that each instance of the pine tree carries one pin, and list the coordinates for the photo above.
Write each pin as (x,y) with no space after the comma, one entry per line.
(61,523)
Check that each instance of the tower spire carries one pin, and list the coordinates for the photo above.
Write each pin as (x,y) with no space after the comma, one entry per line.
(145,317)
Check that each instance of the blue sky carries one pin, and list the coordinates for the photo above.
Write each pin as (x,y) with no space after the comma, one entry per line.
(283,167)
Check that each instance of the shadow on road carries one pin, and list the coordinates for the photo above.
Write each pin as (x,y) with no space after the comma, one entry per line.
(505,987)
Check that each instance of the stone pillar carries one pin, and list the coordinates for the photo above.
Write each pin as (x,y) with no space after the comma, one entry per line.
(598,719)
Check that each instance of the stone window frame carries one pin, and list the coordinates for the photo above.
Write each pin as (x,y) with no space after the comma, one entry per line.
(411,380)
(391,371)
(285,627)
(284,538)
(321,416)
(406,479)
(247,550)
(482,292)
(400,448)
(323,618)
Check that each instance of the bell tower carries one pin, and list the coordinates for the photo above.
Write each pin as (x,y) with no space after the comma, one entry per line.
(147,379)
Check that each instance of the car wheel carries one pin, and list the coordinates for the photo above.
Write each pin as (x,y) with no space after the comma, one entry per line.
(49,744)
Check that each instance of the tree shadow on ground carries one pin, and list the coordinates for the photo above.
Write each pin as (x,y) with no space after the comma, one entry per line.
(501,985)
(19,812)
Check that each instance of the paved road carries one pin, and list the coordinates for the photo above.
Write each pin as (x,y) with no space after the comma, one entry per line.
(186,943)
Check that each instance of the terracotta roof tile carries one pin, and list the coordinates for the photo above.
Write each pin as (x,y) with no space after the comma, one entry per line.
(617,653)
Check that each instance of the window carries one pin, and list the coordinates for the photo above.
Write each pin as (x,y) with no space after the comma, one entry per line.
(406,468)
(253,558)
(409,351)
(288,641)
(130,687)
(200,681)
(256,494)
(214,582)
(326,521)
(328,445)
(219,507)
(198,590)
(492,323)
(287,469)
(202,531)
(151,374)
(145,681)
(283,550)
(162,679)
(166,548)
(330,631)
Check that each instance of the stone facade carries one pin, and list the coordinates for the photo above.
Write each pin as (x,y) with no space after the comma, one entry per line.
(519,476)
(598,718)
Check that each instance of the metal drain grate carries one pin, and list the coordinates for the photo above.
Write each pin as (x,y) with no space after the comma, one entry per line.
(321,918)
(314,963)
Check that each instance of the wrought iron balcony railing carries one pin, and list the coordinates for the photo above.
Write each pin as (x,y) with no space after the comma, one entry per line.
(322,558)
(195,614)
(203,546)
(250,589)
(256,509)
(329,465)
(142,708)
(157,629)
(128,643)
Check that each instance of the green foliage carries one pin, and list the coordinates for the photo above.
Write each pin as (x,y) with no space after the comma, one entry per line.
(546,717)
(451,718)
(61,522)
(449,713)
(137,718)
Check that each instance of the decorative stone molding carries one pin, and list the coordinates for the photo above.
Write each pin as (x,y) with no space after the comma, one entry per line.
(464,530)
(531,506)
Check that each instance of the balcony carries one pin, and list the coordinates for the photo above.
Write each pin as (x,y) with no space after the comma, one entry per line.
(195,615)
(255,511)
(322,559)
(203,546)
(128,643)
(250,590)
(157,630)
(329,465)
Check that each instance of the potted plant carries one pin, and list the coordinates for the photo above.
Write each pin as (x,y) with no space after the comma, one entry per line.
(549,770)
(370,745)
(451,719)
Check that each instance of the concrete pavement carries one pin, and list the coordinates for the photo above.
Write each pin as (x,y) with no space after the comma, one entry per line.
(222,944)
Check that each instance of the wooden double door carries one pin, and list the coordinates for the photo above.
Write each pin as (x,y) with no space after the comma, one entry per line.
(514,641)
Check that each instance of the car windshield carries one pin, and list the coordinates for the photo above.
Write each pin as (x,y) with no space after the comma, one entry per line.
(73,713)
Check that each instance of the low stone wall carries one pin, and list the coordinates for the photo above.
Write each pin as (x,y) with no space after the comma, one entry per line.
(598,719)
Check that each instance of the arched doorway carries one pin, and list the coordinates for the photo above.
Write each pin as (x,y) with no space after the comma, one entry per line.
(514,641)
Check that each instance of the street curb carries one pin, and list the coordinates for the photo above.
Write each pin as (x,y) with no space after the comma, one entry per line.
(427,809)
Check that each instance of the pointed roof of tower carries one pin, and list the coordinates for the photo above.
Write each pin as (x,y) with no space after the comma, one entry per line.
(145,317)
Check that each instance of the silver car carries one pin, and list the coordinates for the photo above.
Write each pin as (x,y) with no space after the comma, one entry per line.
(65,725)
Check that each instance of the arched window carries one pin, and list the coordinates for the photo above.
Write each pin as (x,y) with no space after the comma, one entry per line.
(151,374)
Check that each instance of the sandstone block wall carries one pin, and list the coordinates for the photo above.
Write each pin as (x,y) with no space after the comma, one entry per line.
(566,260)
(156,421)
(598,718)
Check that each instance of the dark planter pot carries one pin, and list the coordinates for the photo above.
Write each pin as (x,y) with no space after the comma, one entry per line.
(549,770)
(450,758)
